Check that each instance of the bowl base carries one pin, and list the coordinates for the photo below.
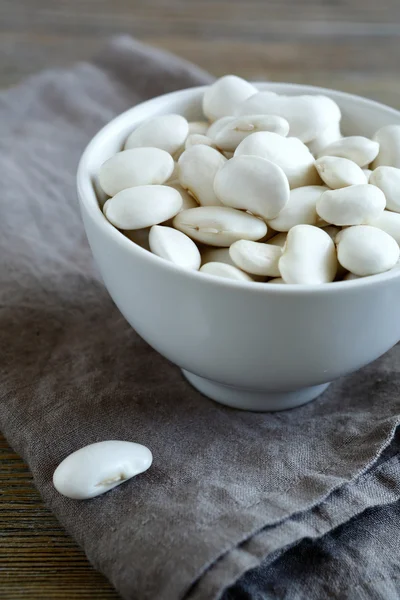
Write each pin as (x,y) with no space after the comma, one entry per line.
(253,400)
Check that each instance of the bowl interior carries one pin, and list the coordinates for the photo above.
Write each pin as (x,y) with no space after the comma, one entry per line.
(360,116)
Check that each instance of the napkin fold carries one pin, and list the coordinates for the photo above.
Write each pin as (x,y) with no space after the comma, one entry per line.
(298,504)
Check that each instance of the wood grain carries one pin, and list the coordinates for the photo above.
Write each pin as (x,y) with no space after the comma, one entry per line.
(348,44)
(351,45)
(37,558)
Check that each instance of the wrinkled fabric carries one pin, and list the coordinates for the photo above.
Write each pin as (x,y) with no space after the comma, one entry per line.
(235,504)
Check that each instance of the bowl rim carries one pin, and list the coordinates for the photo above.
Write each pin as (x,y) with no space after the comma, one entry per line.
(88,198)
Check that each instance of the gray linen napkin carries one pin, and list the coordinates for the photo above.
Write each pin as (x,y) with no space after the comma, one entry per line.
(228,491)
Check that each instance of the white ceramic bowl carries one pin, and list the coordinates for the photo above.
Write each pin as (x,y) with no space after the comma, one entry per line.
(248,345)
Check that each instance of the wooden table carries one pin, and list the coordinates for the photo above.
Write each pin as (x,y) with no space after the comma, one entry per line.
(351,45)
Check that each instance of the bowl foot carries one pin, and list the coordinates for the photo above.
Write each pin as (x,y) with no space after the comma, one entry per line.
(251,399)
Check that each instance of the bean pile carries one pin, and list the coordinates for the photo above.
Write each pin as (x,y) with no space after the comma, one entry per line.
(265,188)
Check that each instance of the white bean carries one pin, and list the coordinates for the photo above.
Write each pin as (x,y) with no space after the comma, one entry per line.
(198,127)
(142,206)
(389,222)
(167,132)
(234,131)
(217,126)
(276,280)
(236,180)
(100,467)
(333,232)
(300,209)
(365,250)
(197,169)
(350,277)
(219,225)
(308,116)
(101,196)
(221,255)
(256,258)
(290,154)
(219,269)
(139,166)
(221,98)
(330,134)
(353,205)
(367,173)
(197,138)
(339,172)
(254,184)
(357,148)
(175,246)
(388,139)
(387,179)
(173,178)
(309,256)
(187,200)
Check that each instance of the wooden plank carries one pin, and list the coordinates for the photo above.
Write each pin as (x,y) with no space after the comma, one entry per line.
(297,40)
(37,558)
